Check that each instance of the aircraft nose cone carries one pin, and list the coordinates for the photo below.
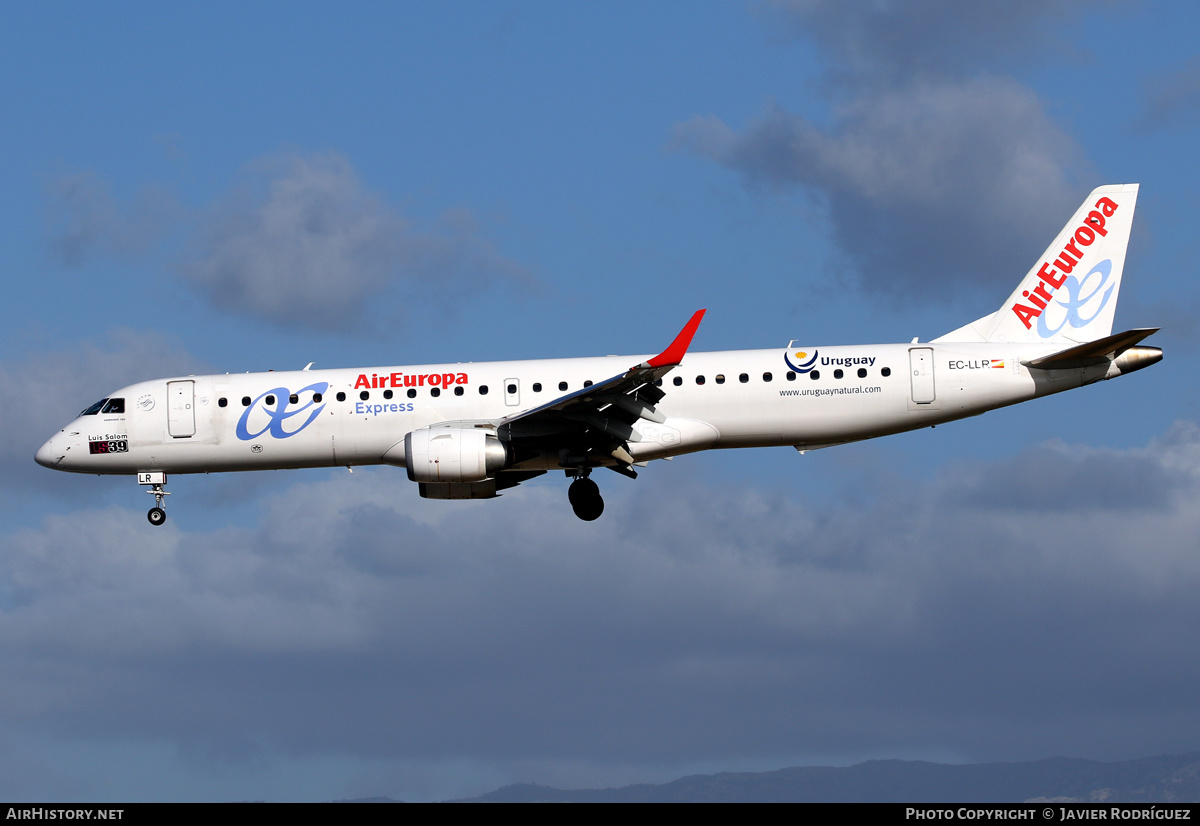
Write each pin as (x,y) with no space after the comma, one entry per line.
(48,455)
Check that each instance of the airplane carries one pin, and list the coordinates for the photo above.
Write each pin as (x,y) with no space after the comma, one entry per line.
(470,431)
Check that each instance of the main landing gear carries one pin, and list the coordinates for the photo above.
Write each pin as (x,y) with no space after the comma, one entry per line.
(584,495)
(156,479)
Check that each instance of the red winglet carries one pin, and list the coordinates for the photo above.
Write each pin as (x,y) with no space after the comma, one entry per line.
(674,354)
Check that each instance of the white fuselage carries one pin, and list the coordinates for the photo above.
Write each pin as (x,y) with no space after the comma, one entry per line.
(729,399)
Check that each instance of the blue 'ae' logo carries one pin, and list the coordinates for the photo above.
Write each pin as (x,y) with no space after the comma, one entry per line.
(279,413)
(1075,301)
(805,366)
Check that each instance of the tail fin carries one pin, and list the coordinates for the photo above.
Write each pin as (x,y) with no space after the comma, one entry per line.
(1070,295)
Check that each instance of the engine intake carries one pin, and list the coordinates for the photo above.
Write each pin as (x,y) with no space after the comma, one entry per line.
(453,454)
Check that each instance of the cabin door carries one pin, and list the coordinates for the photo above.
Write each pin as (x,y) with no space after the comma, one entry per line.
(920,362)
(181,409)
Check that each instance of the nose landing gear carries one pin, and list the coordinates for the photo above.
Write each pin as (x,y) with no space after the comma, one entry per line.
(585,499)
(156,479)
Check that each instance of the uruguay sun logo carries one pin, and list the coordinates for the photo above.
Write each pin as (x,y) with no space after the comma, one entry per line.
(800,365)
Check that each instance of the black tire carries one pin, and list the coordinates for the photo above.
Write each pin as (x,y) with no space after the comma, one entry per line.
(589,509)
(581,490)
(156,516)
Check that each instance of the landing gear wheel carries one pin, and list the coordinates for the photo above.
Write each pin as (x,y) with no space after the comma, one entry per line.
(582,489)
(156,516)
(584,495)
(589,510)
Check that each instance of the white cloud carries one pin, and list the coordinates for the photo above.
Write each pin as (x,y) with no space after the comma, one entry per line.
(935,178)
(299,242)
(302,242)
(929,187)
(86,221)
(1173,96)
(687,625)
(882,40)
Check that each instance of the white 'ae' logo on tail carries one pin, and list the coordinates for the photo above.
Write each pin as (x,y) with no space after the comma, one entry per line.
(1077,300)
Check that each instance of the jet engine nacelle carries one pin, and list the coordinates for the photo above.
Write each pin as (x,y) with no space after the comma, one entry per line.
(444,455)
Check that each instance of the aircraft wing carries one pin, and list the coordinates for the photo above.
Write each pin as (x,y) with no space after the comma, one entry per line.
(593,426)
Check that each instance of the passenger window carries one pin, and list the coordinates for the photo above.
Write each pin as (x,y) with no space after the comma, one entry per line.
(678,380)
(483,389)
(766,376)
(537,387)
(293,399)
(744,377)
(791,375)
(458,391)
(316,398)
(245,401)
(658,382)
(222,402)
(814,375)
(862,372)
(887,371)
(364,395)
(512,388)
(435,391)
(699,379)
(387,394)
(719,378)
(114,406)
(341,396)
(412,394)
(562,385)
(837,374)
(587,383)
(270,399)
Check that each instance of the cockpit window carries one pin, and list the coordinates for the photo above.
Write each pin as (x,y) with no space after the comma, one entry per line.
(94,409)
(114,406)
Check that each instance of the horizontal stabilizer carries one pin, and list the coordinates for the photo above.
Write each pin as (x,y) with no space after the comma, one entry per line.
(1093,352)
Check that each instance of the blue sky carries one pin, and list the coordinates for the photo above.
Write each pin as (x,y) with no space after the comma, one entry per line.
(257,186)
